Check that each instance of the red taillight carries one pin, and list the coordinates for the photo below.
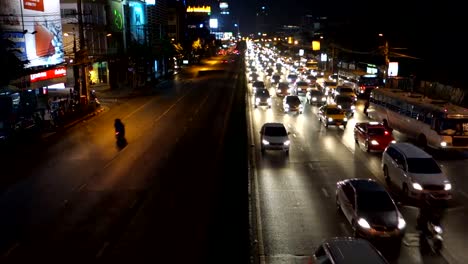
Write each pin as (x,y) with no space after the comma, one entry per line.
(386,133)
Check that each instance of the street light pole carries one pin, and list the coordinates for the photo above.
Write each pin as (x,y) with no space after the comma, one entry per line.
(83,53)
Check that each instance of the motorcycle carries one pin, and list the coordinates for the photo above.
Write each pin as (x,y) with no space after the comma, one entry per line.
(431,236)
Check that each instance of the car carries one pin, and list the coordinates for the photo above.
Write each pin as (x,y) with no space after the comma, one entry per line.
(253,77)
(414,172)
(301,87)
(274,136)
(292,78)
(292,103)
(373,136)
(276,78)
(331,114)
(262,97)
(311,79)
(282,89)
(344,91)
(329,87)
(346,103)
(316,97)
(370,209)
(347,250)
(257,85)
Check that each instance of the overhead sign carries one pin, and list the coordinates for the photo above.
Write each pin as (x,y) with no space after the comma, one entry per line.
(393,69)
(49,74)
(40,24)
(199,9)
(223,5)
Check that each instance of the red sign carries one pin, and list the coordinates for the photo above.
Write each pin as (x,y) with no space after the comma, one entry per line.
(50,74)
(37,5)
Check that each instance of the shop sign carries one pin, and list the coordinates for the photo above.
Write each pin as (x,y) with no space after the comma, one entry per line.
(50,74)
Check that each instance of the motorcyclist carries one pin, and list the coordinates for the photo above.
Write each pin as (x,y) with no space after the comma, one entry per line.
(119,127)
(431,210)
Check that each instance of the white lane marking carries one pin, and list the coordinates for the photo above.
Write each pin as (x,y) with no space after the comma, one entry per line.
(101,251)
(325,192)
(172,106)
(82,187)
(11,249)
(261,247)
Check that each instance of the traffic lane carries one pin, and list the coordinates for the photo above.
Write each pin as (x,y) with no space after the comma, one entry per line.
(176,216)
(67,184)
(312,147)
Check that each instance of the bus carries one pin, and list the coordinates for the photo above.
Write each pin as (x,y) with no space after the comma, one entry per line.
(433,123)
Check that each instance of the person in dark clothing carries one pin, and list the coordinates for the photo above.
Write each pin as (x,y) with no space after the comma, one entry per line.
(119,127)
(431,210)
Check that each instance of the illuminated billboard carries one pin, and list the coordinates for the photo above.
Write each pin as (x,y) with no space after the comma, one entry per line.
(199,9)
(35,27)
(213,23)
(117,17)
(137,21)
(223,5)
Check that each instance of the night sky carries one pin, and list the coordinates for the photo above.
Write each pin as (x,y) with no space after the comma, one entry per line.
(432,31)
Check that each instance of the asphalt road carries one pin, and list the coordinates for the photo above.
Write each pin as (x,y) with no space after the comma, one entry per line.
(295,194)
(168,196)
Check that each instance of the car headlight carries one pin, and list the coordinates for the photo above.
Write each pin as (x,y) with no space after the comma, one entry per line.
(330,119)
(257,100)
(250,78)
(374,142)
(393,141)
(345,119)
(438,229)
(269,101)
(286,106)
(448,186)
(324,99)
(443,144)
(264,142)
(401,223)
(353,107)
(278,90)
(287,142)
(363,223)
(339,106)
(417,186)
(314,99)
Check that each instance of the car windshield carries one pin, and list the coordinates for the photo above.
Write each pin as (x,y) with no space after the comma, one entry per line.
(346,90)
(302,84)
(343,99)
(258,84)
(375,201)
(334,111)
(376,131)
(293,100)
(292,76)
(283,86)
(262,93)
(423,165)
(275,131)
(316,93)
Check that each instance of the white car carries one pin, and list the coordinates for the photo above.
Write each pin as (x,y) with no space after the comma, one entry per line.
(414,171)
(273,136)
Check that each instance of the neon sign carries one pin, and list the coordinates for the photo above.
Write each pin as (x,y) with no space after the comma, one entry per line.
(199,9)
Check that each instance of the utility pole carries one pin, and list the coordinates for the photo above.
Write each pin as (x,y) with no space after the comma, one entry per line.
(83,53)
(387,61)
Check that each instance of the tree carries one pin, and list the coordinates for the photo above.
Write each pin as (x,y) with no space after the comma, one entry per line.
(11,67)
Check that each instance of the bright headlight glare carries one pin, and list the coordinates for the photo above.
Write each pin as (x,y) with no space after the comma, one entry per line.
(264,142)
(443,144)
(363,223)
(278,90)
(324,99)
(417,186)
(339,106)
(353,107)
(393,141)
(314,99)
(345,119)
(448,186)
(438,229)
(257,99)
(287,142)
(401,223)
(330,119)
(269,100)
(374,142)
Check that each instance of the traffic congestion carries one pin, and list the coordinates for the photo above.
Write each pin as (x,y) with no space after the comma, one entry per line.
(382,183)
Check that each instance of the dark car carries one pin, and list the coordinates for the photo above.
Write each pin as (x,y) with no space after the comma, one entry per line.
(276,78)
(253,77)
(346,104)
(369,209)
(282,89)
(373,136)
(292,103)
(316,97)
(262,97)
(257,85)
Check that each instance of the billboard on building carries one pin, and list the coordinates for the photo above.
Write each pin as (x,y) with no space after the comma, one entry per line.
(116,16)
(137,21)
(35,27)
